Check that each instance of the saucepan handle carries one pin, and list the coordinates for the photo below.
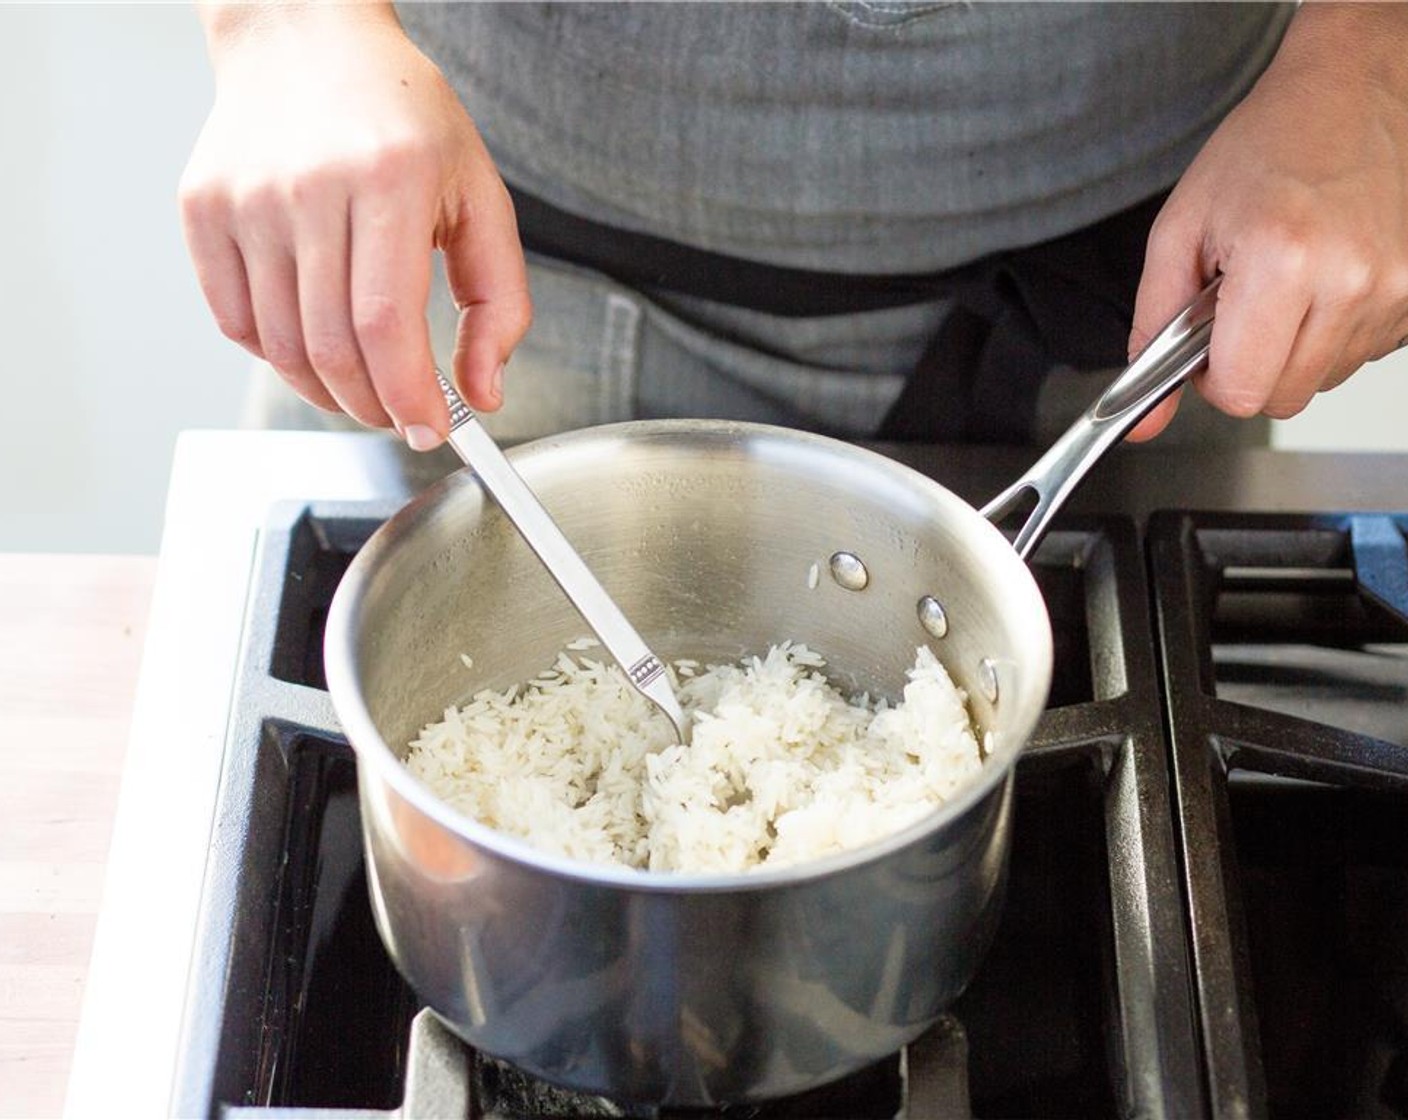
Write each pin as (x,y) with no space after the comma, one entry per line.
(1169,359)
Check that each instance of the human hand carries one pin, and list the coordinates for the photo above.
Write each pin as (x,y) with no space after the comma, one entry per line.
(335,161)
(1300,200)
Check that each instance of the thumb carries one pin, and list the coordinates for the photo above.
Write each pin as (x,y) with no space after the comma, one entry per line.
(489,281)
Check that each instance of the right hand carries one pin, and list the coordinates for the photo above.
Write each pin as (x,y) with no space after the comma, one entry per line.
(335,161)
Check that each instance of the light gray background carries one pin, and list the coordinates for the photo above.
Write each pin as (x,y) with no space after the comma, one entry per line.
(106,348)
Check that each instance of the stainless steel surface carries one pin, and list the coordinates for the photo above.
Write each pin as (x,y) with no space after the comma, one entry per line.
(477,448)
(933,617)
(438,1084)
(685,989)
(987,679)
(848,571)
(1169,359)
(437,1073)
(936,1074)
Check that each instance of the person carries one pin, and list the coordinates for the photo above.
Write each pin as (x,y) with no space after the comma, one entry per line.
(877,220)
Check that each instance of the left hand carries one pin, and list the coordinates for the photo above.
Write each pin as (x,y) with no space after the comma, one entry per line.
(1300,200)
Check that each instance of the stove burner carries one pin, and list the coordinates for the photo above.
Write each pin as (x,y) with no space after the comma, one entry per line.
(1285,649)
(929,1079)
(1081,1007)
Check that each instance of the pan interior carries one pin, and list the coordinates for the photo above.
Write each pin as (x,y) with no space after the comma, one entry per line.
(717,541)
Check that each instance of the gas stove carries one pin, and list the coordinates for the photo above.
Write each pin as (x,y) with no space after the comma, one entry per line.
(1209,869)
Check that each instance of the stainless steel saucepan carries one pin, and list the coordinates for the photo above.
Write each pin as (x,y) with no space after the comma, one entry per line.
(700,989)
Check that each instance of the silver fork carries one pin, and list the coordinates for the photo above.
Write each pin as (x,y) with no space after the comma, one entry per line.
(477,448)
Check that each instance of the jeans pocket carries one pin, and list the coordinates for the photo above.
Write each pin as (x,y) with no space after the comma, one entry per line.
(687,369)
(887,15)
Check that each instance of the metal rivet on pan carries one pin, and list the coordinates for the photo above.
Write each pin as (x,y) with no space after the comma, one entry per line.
(848,571)
(987,678)
(932,616)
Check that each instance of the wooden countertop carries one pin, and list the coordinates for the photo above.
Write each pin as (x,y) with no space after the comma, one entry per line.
(71,635)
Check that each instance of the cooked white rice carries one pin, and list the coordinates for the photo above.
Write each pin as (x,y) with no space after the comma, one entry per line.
(780,767)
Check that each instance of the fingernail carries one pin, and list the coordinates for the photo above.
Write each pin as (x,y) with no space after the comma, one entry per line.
(422,437)
(498,383)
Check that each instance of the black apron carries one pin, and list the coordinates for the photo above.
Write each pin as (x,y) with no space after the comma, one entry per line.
(1016,315)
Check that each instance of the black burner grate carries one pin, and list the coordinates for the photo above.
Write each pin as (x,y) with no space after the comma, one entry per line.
(1287,685)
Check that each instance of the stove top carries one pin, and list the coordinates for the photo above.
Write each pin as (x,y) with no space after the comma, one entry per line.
(1285,650)
(1209,870)
(1081,1008)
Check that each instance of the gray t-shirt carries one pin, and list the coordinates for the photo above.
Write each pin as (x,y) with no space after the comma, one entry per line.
(848,137)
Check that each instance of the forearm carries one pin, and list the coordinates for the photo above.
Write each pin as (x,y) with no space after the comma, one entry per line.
(1350,40)
(229,25)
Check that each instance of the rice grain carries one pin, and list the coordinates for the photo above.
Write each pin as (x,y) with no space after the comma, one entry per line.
(781,767)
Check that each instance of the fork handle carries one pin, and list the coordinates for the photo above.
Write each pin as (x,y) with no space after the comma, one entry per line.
(477,448)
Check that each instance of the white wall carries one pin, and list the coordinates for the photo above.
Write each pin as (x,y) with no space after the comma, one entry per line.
(106,348)
(1369,412)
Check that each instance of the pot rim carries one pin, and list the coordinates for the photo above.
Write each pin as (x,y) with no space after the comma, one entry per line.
(376,758)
